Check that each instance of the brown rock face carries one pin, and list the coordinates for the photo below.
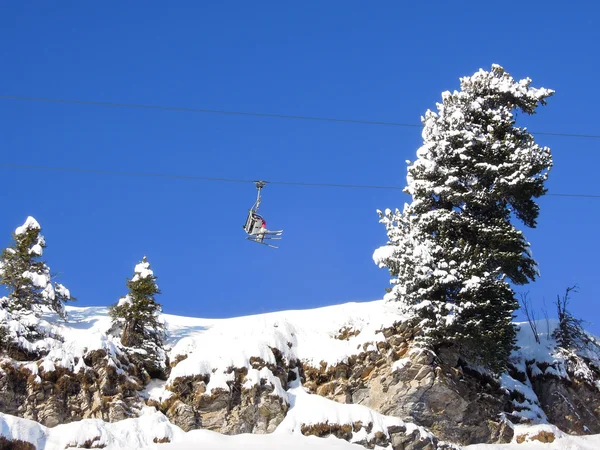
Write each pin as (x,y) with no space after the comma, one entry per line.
(573,403)
(431,391)
(184,416)
(397,437)
(235,410)
(61,396)
(456,406)
(574,407)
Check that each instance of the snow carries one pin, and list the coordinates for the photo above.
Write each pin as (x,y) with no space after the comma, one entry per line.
(142,270)
(399,364)
(137,432)
(217,344)
(383,253)
(140,433)
(84,332)
(36,250)
(254,376)
(309,335)
(125,301)
(61,290)
(310,409)
(532,409)
(30,223)
(38,279)
(156,390)
(202,439)
(212,346)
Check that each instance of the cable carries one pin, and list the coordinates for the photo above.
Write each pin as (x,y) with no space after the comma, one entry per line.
(210,111)
(254,114)
(191,177)
(230,180)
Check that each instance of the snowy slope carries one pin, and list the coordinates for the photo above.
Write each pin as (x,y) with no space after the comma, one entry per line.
(139,433)
(307,335)
(216,344)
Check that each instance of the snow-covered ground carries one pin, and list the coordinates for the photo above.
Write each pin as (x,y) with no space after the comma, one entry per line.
(562,442)
(216,344)
(139,433)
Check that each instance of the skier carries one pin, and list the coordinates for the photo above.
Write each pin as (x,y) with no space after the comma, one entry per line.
(256,225)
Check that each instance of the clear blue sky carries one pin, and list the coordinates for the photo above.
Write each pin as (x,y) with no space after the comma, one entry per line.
(385,61)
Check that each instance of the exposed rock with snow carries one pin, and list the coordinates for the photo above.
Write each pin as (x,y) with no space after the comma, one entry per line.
(560,387)
(76,372)
(345,372)
(184,416)
(434,391)
(55,395)
(241,408)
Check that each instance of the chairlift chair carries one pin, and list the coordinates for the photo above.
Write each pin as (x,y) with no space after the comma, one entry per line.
(256,226)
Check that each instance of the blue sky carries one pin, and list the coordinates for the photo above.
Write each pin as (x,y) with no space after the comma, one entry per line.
(384,61)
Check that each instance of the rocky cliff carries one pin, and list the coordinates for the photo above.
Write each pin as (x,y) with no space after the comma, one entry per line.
(350,371)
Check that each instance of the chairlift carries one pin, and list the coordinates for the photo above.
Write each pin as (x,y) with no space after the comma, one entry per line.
(256,226)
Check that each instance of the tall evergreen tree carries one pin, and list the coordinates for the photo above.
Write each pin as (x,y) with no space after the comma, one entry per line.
(454,249)
(27,277)
(137,314)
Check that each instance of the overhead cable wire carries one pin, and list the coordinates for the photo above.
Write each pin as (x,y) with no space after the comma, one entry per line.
(208,111)
(254,114)
(230,180)
(191,177)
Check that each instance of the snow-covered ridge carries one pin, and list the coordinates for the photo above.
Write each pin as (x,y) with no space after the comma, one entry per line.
(320,337)
(213,346)
(305,335)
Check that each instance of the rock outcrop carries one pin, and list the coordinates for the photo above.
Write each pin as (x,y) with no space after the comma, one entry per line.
(434,391)
(102,388)
(567,391)
(247,405)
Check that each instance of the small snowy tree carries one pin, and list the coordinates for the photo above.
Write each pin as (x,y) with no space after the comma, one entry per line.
(137,315)
(27,277)
(453,250)
(569,334)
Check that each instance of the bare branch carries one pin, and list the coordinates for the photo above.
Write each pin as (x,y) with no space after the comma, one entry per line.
(530,314)
(545,312)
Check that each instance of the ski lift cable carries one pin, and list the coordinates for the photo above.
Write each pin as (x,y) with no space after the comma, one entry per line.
(253,114)
(232,180)
(190,177)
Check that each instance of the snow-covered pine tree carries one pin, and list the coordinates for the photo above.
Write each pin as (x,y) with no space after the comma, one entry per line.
(137,315)
(452,251)
(28,278)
